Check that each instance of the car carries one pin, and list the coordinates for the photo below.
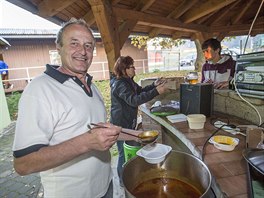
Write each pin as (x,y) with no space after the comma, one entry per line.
(188,60)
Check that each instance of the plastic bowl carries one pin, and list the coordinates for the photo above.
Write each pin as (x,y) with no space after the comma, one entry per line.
(196,121)
(224,143)
(154,153)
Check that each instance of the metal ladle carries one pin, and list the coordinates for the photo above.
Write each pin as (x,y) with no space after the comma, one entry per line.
(145,137)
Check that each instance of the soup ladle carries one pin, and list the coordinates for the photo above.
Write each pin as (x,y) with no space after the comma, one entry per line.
(145,137)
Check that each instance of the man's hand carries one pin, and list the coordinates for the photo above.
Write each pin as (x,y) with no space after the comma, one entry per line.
(221,85)
(103,138)
(208,81)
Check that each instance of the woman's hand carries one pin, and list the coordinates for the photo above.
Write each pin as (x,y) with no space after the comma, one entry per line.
(162,88)
(159,81)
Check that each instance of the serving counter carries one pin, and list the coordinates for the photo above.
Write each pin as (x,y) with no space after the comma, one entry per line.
(228,169)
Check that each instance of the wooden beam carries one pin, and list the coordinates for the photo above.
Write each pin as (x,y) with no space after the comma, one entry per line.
(114,2)
(183,7)
(154,32)
(144,4)
(201,36)
(204,18)
(157,21)
(107,25)
(217,17)
(125,30)
(241,12)
(49,8)
(89,17)
(236,28)
(204,9)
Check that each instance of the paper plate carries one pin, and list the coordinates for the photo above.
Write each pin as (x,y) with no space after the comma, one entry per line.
(154,153)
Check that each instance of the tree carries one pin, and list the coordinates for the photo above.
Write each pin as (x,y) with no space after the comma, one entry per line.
(168,43)
(163,42)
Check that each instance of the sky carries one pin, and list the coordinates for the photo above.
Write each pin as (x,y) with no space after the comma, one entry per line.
(12,16)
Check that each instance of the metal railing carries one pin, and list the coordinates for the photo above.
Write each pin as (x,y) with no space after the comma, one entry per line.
(26,74)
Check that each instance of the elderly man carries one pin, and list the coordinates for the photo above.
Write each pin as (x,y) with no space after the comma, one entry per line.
(51,134)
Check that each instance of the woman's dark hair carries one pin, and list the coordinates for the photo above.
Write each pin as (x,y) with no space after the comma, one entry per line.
(213,43)
(122,63)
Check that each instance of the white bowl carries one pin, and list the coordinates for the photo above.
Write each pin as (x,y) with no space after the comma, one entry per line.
(196,121)
(154,153)
(224,143)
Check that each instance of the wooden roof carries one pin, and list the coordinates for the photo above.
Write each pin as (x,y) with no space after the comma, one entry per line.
(189,19)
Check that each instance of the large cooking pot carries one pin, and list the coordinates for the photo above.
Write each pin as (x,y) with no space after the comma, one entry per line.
(179,175)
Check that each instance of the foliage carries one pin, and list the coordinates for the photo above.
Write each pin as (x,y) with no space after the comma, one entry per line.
(12,103)
(229,38)
(163,42)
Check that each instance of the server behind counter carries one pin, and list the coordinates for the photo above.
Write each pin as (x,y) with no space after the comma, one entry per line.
(219,69)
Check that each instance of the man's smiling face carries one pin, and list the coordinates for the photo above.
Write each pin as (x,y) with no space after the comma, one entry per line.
(77,49)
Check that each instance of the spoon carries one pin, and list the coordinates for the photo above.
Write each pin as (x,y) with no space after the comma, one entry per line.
(145,137)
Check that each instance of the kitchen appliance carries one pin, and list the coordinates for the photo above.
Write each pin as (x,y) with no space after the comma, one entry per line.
(179,170)
(249,74)
(196,98)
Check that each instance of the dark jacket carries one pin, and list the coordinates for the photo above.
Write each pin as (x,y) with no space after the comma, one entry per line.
(126,96)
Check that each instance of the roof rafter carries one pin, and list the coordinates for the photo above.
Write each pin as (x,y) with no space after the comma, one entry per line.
(49,8)
(108,26)
(204,9)
(182,8)
(242,11)
(157,21)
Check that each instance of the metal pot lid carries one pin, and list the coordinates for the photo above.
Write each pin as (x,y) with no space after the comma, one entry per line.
(255,157)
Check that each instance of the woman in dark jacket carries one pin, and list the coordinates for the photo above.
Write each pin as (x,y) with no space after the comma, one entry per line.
(126,96)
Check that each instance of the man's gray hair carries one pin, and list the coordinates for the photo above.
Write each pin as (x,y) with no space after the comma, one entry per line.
(72,21)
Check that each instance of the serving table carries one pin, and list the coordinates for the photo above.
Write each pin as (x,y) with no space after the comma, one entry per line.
(228,168)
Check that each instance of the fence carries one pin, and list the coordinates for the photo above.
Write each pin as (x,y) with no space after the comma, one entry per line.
(20,77)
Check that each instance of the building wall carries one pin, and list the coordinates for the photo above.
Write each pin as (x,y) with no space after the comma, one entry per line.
(31,53)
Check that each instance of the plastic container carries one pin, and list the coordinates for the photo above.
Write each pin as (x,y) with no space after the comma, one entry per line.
(130,149)
(224,143)
(196,121)
(154,153)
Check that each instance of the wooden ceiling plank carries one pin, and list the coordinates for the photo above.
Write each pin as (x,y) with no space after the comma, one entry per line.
(125,30)
(203,19)
(107,24)
(144,5)
(204,9)
(49,8)
(239,14)
(176,35)
(154,32)
(114,2)
(89,18)
(157,21)
(182,8)
(237,28)
(220,14)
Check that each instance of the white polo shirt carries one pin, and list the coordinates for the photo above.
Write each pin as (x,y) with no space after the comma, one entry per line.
(52,110)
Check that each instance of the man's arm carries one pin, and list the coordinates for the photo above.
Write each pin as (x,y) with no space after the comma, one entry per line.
(52,156)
